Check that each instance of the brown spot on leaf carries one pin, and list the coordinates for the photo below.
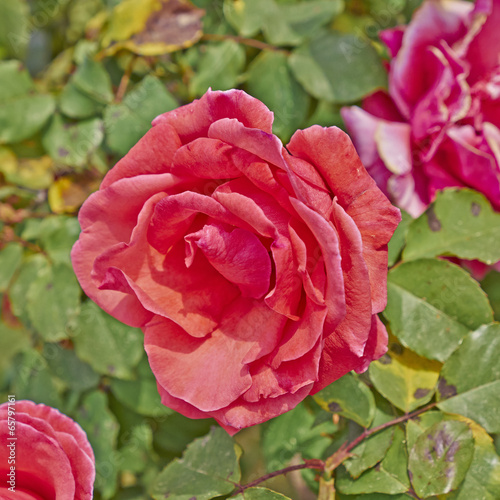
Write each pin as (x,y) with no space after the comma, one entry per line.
(451,451)
(420,393)
(475,209)
(385,359)
(62,152)
(432,220)
(396,348)
(446,391)
(177,23)
(334,407)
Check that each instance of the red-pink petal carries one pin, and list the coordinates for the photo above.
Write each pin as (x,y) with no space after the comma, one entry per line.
(193,120)
(206,159)
(333,154)
(151,155)
(238,255)
(108,218)
(220,360)
(432,22)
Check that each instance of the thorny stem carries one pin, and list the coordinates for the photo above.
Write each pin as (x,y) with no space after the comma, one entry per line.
(344,452)
(257,44)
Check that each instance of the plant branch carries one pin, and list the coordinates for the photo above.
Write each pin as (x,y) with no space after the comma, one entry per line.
(369,432)
(344,452)
(250,42)
(308,464)
(122,88)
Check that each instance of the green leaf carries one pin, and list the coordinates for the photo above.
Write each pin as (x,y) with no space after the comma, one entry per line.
(57,237)
(140,395)
(280,445)
(30,267)
(369,453)
(491,285)
(93,80)
(483,477)
(407,380)
(305,18)
(88,89)
(470,379)
(260,494)
(14,23)
(440,458)
(12,341)
(460,222)
(432,304)
(101,427)
(73,143)
(175,431)
(23,112)
(76,104)
(208,468)
(349,397)
(338,67)
(219,68)
(53,301)
(10,258)
(55,234)
(32,379)
(376,496)
(107,345)
(127,122)
(417,426)
(65,364)
(389,477)
(270,80)
(398,238)
(134,456)
(248,17)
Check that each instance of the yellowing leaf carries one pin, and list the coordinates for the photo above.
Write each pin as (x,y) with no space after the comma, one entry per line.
(32,173)
(67,194)
(406,379)
(153,27)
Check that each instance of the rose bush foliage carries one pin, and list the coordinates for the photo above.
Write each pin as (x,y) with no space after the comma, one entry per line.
(438,126)
(255,271)
(52,456)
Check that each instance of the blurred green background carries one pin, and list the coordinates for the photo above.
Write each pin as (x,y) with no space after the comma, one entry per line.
(80,82)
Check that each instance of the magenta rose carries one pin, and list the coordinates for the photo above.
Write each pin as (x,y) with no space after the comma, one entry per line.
(439,124)
(43,455)
(255,271)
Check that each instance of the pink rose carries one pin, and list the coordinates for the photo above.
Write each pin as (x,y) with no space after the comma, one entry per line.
(43,454)
(255,271)
(439,124)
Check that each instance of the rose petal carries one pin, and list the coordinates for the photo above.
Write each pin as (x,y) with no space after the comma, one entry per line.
(432,22)
(193,120)
(266,216)
(332,153)
(328,240)
(107,218)
(220,360)
(153,154)
(355,327)
(238,255)
(393,38)
(484,49)
(205,159)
